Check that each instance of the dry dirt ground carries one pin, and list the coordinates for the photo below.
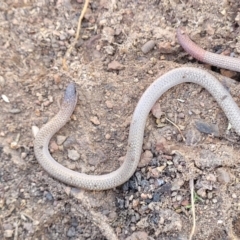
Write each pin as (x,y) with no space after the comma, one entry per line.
(111,72)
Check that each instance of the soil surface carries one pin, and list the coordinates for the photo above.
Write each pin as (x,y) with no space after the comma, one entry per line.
(112,67)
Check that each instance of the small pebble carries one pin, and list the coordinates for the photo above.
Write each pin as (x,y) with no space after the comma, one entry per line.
(95,120)
(37,113)
(5,98)
(214,200)
(176,185)
(107,136)
(73,155)
(48,196)
(71,232)
(8,233)
(61,139)
(109,104)
(156,110)
(135,203)
(165,47)
(181,115)
(178,197)
(211,177)
(115,65)
(14,145)
(156,197)
(146,157)
(15,110)
(234,195)
(23,155)
(2,81)
(210,195)
(202,192)
(69,142)
(53,146)
(148,46)
(223,175)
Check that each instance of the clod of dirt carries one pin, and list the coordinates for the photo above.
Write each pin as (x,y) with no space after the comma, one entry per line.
(223,175)
(146,157)
(208,159)
(139,236)
(115,65)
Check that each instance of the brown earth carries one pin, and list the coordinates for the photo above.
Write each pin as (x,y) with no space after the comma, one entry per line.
(111,73)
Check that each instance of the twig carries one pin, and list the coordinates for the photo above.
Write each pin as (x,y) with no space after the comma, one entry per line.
(176,127)
(193,208)
(65,67)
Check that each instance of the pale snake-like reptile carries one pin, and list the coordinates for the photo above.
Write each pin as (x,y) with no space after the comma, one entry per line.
(136,133)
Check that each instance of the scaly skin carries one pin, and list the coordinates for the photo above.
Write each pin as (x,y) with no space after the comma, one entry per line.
(135,139)
(202,55)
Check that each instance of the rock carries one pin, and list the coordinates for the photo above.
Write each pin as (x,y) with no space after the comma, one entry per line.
(223,175)
(120,203)
(193,137)
(28,226)
(159,182)
(181,115)
(156,197)
(14,110)
(211,177)
(53,146)
(214,200)
(165,47)
(173,220)
(207,159)
(143,223)
(155,173)
(74,222)
(63,36)
(165,189)
(48,196)
(210,195)
(109,49)
(5,98)
(97,158)
(161,145)
(8,233)
(2,81)
(185,202)
(148,46)
(71,232)
(228,73)
(69,142)
(109,104)
(207,128)
(138,176)
(73,155)
(139,236)
(156,110)
(61,139)
(234,195)
(178,197)
(135,203)
(176,184)
(108,34)
(146,157)
(202,192)
(95,120)
(115,65)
